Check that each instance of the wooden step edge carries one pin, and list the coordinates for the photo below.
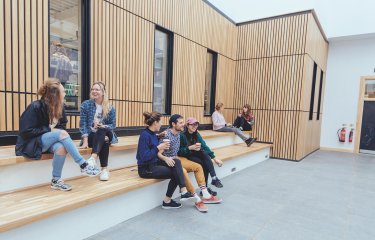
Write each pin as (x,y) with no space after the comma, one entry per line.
(264,145)
(84,202)
(65,179)
(251,150)
(74,205)
(6,161)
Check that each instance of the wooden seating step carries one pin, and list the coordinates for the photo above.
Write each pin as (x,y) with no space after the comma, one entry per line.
(8,157)
(25,206)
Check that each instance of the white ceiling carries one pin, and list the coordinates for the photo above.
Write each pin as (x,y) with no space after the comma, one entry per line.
(338,18)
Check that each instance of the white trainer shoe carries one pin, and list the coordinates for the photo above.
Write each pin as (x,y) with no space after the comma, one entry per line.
(91,162)
(104,175)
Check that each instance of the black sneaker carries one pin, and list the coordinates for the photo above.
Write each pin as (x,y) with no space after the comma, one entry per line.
(187,196)
(217,183)
(210,191)
(250,141)
(171,205)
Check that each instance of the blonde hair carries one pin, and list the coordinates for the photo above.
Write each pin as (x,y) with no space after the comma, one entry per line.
(219,105)
(107,107)
(50,92)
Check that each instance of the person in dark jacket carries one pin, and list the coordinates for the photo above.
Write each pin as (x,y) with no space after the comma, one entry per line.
(97,124)
(42,129)
(150,166)
(245,120)
(194,148)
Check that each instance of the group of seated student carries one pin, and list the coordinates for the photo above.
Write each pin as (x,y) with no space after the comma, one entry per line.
(43,129)
(242,121)
(157,158)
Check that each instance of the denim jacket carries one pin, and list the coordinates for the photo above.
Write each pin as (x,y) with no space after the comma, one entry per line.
(87,114)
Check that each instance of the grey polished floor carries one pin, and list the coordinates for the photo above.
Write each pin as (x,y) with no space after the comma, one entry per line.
(329,195)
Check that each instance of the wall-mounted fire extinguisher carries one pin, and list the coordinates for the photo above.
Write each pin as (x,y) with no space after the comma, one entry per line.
(341,134)
(351,133)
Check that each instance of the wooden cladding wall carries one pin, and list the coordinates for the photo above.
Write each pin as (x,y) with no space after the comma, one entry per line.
(23,56)
(272,37)
(225,87)
(122,56)
(274,75)
(191,19)
(316,45)
(266,63)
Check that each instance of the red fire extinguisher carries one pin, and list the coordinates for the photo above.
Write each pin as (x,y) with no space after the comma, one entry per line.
(341,133)
(351,135)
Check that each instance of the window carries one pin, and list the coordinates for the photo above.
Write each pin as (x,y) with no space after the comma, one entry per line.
(65,49)
(210,83)
(320,94)
(311,112)
(370,89)
(162,96)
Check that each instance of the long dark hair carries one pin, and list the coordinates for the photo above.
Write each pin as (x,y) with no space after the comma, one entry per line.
(192,138)
(51,95)
(248,114)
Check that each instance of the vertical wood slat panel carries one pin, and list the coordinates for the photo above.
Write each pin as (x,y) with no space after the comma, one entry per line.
(2,71)
(271,71)
(34,44)
(2,51)
(14,64)
(120,61)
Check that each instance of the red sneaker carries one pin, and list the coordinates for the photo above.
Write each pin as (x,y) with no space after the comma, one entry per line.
(201,207)
(212,200)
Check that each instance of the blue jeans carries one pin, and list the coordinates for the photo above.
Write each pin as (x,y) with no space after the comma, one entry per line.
(236,131)
(52,142)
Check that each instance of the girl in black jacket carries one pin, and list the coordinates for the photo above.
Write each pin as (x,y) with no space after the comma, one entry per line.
(42,129)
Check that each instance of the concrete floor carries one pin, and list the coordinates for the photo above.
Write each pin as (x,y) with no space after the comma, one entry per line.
(327,196)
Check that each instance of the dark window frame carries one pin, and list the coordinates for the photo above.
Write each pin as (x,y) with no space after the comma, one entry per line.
(85,51)
(312,98)
(213,82)
(320,94)
(169,80)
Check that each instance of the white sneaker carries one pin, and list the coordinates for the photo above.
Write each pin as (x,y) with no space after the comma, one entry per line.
(91,162)
(104,176)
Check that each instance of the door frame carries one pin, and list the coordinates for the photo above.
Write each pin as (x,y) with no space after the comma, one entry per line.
(361,99)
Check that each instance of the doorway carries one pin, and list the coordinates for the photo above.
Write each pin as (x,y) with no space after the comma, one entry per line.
(365,137)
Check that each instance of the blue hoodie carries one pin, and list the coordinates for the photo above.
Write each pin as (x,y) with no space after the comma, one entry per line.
(147,151)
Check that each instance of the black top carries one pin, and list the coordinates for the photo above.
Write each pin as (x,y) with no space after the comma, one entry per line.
(34,122)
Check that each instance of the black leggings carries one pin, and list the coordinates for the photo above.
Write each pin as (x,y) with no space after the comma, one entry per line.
(203,159)
(161,170)
(99,145)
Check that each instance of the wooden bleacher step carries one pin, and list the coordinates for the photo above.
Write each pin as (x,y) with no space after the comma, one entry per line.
(8,157)
(25,206)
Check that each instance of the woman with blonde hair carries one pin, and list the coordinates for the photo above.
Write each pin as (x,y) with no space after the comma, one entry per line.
(219,124)
(42,129)
(97,124)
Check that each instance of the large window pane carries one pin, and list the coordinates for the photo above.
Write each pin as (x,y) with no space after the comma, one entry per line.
(210,78)
(65,48)
(161,81)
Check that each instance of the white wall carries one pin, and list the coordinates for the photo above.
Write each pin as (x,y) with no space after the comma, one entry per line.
(349,58)
(338,18)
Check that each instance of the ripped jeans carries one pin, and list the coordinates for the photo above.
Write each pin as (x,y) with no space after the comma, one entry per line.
(54,141)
